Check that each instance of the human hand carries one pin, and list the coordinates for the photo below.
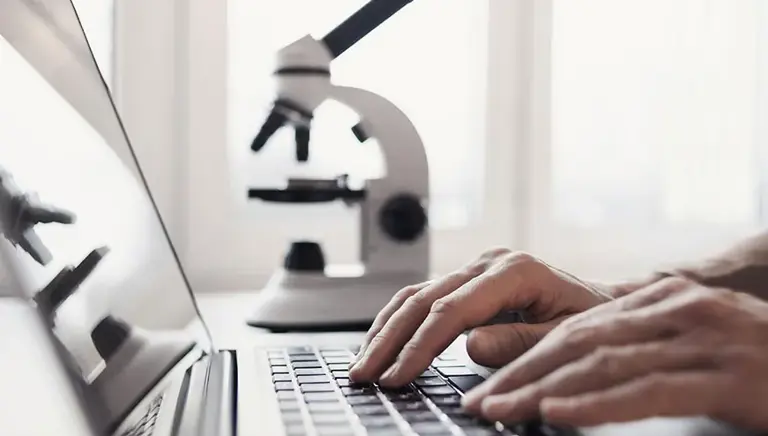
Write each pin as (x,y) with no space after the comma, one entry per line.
(21,213)
(674,349)
(421,321)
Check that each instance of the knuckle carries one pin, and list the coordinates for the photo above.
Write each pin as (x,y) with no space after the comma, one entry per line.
(708,304)
(444,305)
(605,359)
(406,293)
(520,258)
(495,253)
(576,335)
(675,283)
(417,302)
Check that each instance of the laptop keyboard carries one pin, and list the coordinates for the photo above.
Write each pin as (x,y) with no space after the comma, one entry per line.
(316,397)
(146,425)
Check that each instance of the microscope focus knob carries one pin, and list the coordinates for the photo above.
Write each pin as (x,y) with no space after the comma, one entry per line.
(403,218)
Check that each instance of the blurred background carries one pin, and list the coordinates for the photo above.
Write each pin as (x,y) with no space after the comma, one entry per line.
(609,137)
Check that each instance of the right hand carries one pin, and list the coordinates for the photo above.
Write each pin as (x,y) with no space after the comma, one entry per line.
(421,321)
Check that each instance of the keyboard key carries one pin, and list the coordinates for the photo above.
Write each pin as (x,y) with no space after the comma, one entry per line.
(309,379)
(338,367)
(281,378)
(295,430)
(309,371)
(336,407)
(438,391)
(289,405)
(306,364)
(427,374)
(275,354)
(318,387)
(411,406)
(463,420)
(277,362)
(318,397)
(330,418)
(370,409)
(335,353)
(447,364)
(344,382)
(447,356)
(424,416)
(286,395)
(304,358)
(352,391)
(340,374)
(279,370)
(405,397)
(480,431)
(377,421)
(338,359)
(430,428)
(334,430)
(466,383)
(363,399)
(456,371)
(453,410)
(391,431)
(284,386)
(299,350)
(291,418)
(432,381)
(401,390)
(447,401)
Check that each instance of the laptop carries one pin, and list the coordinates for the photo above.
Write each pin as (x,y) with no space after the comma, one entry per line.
(114,295)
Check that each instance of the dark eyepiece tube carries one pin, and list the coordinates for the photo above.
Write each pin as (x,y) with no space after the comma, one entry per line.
(360,24)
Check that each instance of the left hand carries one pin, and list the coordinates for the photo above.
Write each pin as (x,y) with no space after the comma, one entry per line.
(673,349)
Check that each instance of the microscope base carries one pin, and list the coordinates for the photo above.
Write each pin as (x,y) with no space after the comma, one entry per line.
(317,302)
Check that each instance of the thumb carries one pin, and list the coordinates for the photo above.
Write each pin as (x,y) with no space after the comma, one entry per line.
(497,345)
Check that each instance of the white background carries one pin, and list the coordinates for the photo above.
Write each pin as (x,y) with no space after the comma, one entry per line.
(607,136)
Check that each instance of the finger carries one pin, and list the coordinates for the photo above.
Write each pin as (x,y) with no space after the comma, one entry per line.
(33,245)
(471,305)
(656,395)
(573,343)
(495,346)
(383,316)
(605,368)
(644,297)
(385,345)
(46,214)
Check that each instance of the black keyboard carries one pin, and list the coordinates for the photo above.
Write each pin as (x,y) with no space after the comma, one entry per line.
(146,425)
(316,397)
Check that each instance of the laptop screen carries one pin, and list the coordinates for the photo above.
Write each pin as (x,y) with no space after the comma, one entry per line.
(85,237)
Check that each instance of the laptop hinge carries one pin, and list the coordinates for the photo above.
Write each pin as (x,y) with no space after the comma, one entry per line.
(209,400)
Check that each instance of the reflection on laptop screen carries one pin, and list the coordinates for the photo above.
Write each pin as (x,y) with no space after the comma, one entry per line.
(130,315)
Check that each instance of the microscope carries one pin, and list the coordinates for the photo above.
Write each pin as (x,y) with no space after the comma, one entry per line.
(307,294)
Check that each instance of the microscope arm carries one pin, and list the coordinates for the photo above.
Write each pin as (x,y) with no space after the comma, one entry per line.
(372,15)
